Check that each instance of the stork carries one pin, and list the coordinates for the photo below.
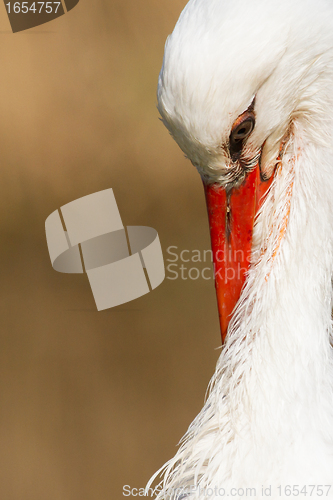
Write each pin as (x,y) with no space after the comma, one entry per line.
(246,90)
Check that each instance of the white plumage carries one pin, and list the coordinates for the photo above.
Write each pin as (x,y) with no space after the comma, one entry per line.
(268,418)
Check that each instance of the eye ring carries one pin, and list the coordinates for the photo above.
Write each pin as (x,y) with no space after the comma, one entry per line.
(241,130)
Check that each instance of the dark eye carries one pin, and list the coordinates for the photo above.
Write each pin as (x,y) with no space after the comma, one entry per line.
(240,132)
(243,130)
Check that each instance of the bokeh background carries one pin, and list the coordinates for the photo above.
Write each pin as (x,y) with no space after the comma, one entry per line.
(92,401)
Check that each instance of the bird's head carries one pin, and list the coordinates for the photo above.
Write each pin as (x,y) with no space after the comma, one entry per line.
(235,78)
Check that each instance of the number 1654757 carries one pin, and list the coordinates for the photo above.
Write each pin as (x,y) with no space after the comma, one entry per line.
(308,490)
(35,7)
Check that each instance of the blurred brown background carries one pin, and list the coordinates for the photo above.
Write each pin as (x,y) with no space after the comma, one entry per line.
(91,401)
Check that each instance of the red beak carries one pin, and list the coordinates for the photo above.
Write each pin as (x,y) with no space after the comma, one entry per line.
(231,217)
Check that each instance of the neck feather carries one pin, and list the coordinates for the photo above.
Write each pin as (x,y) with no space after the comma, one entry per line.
(269,412)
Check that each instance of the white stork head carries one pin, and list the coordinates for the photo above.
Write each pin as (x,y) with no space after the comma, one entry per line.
(237,77)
